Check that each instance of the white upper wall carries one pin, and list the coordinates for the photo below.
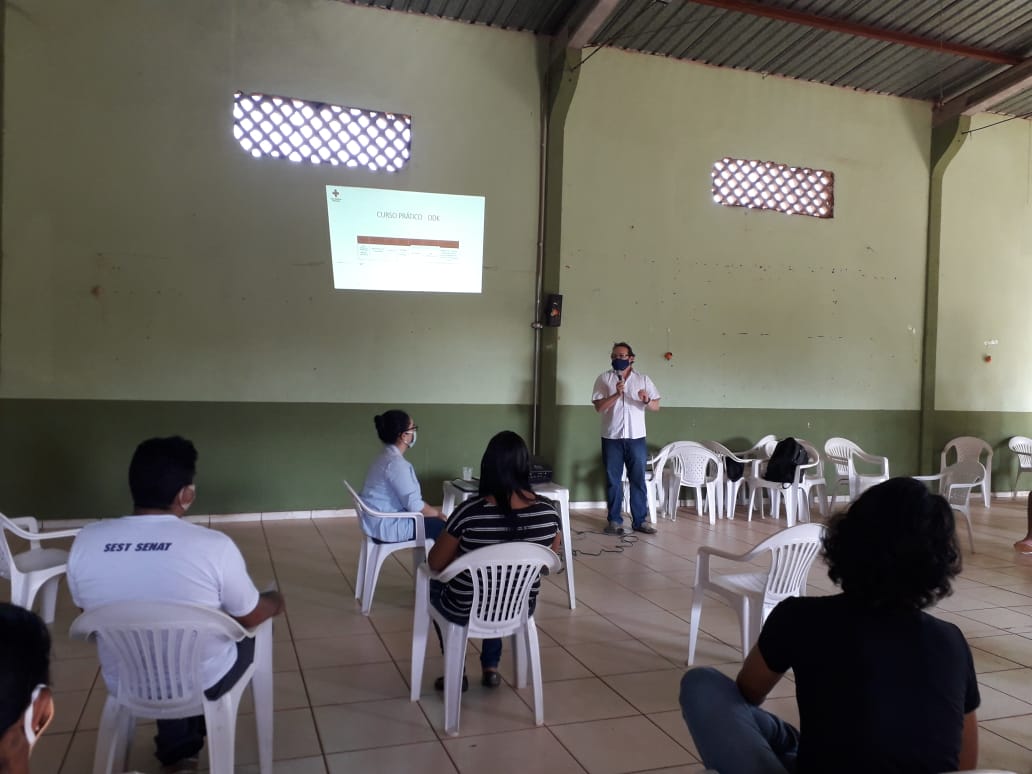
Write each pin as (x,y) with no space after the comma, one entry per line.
(759,309)
(147,256)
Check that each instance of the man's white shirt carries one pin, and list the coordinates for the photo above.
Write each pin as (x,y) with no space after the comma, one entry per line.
(162,558)
(626,417)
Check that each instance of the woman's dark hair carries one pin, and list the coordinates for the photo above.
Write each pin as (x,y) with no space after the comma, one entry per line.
(895,547)
(391,424)
(505,471)
(24,660)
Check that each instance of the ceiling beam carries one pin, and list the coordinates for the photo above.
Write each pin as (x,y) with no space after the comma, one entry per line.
(592,23)
(986,94)
(861,30)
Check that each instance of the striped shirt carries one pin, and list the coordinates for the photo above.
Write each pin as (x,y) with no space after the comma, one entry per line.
(477,523)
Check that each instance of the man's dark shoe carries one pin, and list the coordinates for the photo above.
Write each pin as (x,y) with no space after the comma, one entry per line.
(646,529)
(491,678)
(439,684)
(613,529)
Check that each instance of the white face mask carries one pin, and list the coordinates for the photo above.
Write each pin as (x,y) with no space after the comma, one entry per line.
(30,733)
(412,442)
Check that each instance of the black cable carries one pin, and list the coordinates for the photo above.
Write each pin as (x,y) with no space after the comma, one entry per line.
(617,34)
(627,540)
(1005,120)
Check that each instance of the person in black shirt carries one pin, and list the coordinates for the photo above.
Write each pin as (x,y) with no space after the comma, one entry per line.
(881,685)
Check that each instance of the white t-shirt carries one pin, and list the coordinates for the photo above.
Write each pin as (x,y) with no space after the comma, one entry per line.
(161,558)
(626,417)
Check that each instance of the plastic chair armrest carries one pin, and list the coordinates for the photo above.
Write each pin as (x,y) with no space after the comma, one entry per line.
(33,534)
(710,551)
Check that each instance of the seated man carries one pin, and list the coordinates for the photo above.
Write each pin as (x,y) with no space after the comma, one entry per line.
(26,706)
(156,555)
(881,685)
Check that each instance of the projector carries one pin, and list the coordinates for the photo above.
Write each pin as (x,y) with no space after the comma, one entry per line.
(540,473)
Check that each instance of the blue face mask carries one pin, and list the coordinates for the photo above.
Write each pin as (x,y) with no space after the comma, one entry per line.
(620,364)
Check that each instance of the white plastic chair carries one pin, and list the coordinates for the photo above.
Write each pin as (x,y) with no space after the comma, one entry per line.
(837,450)
(862,480)
(653,485)
(758,451)
(956,483)
(797,505)
(968,447)
(1022,448)
(813,481)
(755,594)
(503,578)
(731,488)
(35,570)
(371,554)
(158,661)
(692,464)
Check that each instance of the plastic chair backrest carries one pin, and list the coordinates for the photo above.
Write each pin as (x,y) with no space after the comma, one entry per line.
(959,478)
(762,448)
(691,463)
(6,556)
(157,647)
(838,451)
(792,551)
(503,576)
(1022,446)
(966,447)
(361,508)
(815,456)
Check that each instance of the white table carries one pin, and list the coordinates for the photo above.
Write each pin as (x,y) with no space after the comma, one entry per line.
(453,494)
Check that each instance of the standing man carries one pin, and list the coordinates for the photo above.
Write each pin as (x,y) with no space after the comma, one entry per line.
(621,396)
(157,555)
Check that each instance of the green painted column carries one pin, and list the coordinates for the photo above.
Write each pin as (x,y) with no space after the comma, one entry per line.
(946,142)
(559,82)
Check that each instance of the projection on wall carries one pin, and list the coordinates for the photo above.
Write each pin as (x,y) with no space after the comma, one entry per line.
(405,240)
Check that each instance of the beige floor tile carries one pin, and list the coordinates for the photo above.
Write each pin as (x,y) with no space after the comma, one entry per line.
(1000,617)
(74,674)
(619,657)
(996,704)
(1015,682)
(359,682)
(583,628)
(313,765)
(485,710)
(1009,646)
(995,752)
(364,725)
(649,691)
(341,651)
(673,725)
(989,662)
(570,701)
(49,752)
(424,758)
(1016,729)
(288,692)
(621,745)
(294,736)
(512,752)
(558,664)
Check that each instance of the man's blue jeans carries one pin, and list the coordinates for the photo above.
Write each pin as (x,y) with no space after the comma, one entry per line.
(731,735)
(616,453)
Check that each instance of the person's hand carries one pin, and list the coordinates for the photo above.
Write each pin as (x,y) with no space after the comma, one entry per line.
(620,387)
(643,396)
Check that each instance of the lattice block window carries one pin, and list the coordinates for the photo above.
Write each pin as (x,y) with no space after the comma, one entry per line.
(766,185)
(319,133)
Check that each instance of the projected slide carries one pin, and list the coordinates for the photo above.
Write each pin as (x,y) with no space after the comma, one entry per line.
(405,240)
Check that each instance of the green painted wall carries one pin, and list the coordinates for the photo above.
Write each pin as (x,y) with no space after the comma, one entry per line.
(760,310)
(69,459)
(156,279)
(986,273)
(148,257)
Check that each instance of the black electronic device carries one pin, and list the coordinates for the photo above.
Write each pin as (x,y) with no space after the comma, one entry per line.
(540,473)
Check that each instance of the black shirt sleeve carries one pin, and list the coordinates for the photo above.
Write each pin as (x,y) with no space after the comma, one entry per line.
(778,636)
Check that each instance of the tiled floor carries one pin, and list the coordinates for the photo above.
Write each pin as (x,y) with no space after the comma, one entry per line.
(611,667)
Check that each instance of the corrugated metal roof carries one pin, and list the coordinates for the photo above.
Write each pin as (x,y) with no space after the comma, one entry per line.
(700,32)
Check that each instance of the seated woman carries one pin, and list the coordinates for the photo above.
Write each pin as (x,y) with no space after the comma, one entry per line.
(881,685)
(505,510)
(391,485)
(26,705)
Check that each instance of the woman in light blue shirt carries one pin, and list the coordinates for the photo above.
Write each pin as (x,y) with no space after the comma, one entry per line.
(391,485)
